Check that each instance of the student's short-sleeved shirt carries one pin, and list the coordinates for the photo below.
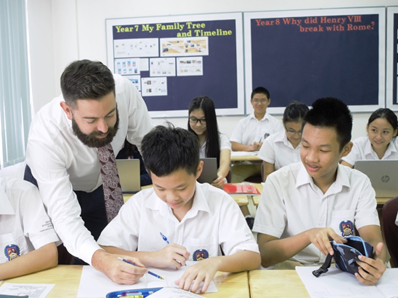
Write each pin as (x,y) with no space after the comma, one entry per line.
(24,224)
(291,203)
(213,221)
(250,130)
(362,150)
(277,150)
(224,144)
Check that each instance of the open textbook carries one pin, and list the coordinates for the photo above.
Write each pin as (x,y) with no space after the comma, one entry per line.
(336,284)
(95,284)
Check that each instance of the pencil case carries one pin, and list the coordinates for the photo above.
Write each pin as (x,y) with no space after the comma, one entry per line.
(135,293)
(346,255)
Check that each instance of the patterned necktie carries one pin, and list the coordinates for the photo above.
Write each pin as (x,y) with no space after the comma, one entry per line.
(110,181)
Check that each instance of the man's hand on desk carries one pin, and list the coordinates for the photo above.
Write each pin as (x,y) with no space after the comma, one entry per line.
(118,271)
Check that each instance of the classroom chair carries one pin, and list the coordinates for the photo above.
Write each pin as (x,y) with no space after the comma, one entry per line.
(390,229)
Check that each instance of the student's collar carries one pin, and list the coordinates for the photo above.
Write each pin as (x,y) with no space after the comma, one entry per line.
(368,148)
(199,204)
(266,116)
(390,149)
(5,205)
(342,179)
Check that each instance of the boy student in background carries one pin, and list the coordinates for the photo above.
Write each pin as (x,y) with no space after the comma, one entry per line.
(283,148)
(27,237)
(249,134)
(305,205)
(203,123)
(201,222)
(381,142)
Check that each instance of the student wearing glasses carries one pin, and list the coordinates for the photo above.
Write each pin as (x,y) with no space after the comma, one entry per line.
(203,123)
(283,148)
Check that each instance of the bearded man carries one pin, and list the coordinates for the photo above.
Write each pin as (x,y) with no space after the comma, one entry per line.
(67,136)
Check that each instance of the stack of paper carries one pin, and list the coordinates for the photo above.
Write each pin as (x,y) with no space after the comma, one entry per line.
(96,284)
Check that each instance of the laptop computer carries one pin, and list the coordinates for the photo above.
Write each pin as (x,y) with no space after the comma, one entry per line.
(209,172)
(383,175)
(129,175)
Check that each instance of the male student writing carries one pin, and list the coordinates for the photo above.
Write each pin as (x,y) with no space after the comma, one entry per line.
(97,110)
(198,220)
(27,237)
(307,204)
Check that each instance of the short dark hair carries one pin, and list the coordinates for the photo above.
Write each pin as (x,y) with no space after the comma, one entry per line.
(386,114)
(166,149)
(206,104)
(86,79)
(261,90)
(331,112)
(295,111)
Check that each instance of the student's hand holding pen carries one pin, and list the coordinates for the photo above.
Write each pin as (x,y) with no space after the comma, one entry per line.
(171,255)
(256,146)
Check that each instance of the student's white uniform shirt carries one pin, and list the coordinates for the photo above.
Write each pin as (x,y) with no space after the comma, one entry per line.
(61,163)
(277,150)
(214,221)
(362,150)
(291,203)
(23,220)
(224,144)
(250,130)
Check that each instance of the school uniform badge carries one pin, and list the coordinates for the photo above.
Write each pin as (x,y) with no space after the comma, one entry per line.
(12,252)
(347,228)
(200,254)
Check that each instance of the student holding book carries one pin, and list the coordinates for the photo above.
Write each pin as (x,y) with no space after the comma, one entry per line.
(381,142)
(283,148)
(180,219)
(305,205)
(27,237)
(203,123)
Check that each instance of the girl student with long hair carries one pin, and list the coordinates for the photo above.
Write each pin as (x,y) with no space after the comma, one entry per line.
(381,142)
(203,122)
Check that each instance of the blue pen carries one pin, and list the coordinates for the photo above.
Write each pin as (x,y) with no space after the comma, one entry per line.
(164,238)
(149,272)
(167,241)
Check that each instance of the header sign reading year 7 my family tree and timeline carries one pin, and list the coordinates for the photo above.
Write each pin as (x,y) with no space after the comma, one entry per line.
(173,59)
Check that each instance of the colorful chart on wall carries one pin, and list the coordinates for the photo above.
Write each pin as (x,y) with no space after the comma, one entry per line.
(173,59)
(392,58)
(305,55)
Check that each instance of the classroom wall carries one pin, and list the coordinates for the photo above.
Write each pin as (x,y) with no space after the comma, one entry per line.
(61,31)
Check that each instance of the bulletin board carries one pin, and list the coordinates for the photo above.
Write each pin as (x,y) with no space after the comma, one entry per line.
(173,59)
(392,58)
(305,55)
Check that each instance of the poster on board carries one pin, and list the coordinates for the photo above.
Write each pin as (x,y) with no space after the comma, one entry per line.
(173,59)
(392,58)
(308,54)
